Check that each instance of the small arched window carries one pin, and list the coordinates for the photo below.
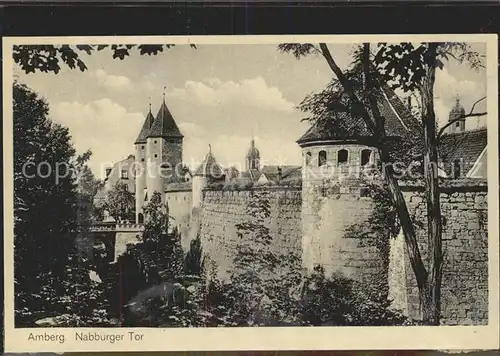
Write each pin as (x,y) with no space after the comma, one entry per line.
(342,156)
(308,158)
(321,158)
(140,218)
(365,157)
(457,168)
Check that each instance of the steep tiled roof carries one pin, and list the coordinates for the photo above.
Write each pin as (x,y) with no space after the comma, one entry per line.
(209,167)
(145,128)
(164,125)
(466,146)
(343,125)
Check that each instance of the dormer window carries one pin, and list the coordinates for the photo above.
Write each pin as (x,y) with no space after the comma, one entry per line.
(321,158)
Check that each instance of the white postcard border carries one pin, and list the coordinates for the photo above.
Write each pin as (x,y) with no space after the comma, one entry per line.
(264,338)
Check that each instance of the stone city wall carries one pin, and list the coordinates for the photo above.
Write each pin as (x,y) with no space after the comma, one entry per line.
(222,210)
(465,247)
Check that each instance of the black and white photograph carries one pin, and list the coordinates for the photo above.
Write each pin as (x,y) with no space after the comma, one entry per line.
(273,185)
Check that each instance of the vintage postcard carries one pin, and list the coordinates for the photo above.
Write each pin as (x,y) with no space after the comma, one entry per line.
(251,193)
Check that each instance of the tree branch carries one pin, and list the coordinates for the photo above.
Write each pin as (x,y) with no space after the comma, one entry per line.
(470,114)
(347,86)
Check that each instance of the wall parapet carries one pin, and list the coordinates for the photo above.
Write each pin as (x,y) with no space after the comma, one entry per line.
(448,185)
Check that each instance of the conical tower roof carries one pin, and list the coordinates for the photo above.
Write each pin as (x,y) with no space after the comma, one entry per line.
(146,127)
(164,124)
(209,167)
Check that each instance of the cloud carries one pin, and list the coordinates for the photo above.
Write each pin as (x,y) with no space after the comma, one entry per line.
(113,82)
(103,126)
(247,92)
(448,86)
(191,129)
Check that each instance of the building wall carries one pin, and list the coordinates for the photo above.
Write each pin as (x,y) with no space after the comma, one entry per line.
(140,178)
(329,209)
(115,176)
(465,245)
(222,210)
(179,205)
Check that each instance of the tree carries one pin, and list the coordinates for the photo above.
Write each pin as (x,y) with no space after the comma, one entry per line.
(413,68)
(157,266)
(263,281)
(48,58)
(46,216)
(357,92)
(120,203)
(193,262)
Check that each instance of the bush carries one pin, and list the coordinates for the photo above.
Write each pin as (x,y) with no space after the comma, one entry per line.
(341,301)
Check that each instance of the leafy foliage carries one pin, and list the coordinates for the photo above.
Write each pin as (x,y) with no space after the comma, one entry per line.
(193,262)
(405,64)
(47,213)
(120,203)
(298,49)
(48,58)
(339,301)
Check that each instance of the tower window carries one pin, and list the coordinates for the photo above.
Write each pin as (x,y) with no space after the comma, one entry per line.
(156,156)
(124,174)
(321,158)
(342,156)
(142,159)
(457,124)
(142,147)
(457,171)
(308,157)
(365,157)
(108,171)
(155,141)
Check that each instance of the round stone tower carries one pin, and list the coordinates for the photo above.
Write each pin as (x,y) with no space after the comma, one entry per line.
(339,159)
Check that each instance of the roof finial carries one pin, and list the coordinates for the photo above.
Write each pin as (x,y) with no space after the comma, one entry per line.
(164,90)
(209,149)
(149,104)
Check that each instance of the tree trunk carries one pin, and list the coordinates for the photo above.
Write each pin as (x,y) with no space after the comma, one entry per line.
(431,309)
(377,127)
(417,264)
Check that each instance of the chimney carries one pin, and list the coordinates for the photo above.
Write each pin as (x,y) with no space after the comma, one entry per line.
(279,173)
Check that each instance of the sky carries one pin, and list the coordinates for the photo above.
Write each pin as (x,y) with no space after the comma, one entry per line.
(220,95)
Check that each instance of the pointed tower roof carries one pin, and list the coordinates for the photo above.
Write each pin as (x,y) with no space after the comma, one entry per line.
(164,124)
(143,134)
(209,167)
